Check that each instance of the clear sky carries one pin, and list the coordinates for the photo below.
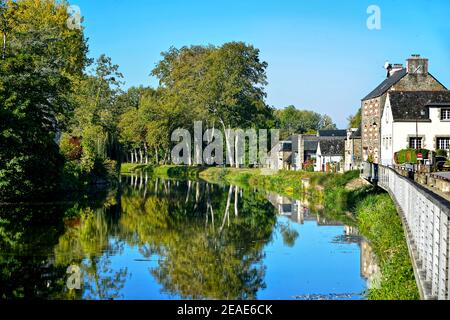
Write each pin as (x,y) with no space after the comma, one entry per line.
(321,54)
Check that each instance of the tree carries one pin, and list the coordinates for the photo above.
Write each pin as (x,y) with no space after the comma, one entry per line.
(292,120)
(355,121)
(98,111)
(223,85)
(40,62)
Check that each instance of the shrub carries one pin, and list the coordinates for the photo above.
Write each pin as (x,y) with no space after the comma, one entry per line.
(409,155)
(442,153)
(71,147)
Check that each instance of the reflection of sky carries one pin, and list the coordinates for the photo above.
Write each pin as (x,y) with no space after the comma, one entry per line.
(140,284)
(316,265)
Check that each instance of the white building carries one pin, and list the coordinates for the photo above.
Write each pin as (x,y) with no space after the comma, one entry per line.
(330,153)
(415,119)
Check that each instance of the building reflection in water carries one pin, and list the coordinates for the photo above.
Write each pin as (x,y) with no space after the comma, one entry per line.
(298,212)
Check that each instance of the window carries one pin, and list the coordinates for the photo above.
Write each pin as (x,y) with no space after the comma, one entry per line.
(443,143)
(445,114)
(415,143)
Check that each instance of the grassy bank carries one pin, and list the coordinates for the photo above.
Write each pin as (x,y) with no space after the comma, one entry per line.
(168,171)
(365,207)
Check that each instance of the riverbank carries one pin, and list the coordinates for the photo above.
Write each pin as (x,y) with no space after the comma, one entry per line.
(341,197)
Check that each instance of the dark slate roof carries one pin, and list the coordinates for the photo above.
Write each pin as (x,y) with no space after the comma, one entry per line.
(386,84)
(332,147)
(407,105)
(356,134)
(311,145)
(332,133)
(286,146)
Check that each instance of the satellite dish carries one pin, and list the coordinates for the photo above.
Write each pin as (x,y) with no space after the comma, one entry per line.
(386,65)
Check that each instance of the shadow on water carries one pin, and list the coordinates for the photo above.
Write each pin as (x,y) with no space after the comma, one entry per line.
(169,239)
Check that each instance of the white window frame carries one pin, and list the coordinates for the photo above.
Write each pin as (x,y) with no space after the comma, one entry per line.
(415,144)
(445,145)
(445,114)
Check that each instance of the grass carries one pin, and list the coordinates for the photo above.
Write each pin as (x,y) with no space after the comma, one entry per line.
(379,221)
(166,171)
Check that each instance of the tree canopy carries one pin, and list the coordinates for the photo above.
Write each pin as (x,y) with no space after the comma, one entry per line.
(292,120)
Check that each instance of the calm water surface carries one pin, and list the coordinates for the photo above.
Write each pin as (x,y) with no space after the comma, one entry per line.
(160,239)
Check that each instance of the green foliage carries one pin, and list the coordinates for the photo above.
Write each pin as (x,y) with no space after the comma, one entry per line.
(291,120)
(409,155)
(36,74)
(442,153)
(355,121)
(379,221)
(71,147)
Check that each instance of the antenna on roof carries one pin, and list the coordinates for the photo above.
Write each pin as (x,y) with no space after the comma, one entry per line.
(388,67)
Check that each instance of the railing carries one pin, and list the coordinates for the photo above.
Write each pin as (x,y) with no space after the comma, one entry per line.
(426,220)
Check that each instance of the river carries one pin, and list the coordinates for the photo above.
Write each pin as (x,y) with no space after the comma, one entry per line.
(168,239)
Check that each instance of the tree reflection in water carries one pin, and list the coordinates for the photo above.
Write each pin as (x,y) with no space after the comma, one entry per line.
(204,250)
(209,240)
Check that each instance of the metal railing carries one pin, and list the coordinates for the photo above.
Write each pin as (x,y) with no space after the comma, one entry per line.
(426,220)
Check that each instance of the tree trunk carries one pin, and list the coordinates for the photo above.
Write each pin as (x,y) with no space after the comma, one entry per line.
(227,141)
(146,153)
(236,194)
(226,216)
(141,155)
(135,156)
(157,156)
(236,153)
(4,46)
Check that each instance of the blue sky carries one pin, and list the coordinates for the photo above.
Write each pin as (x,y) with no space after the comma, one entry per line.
(321,54)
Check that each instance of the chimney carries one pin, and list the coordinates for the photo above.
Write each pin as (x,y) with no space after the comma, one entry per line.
(393,68)
(417,65)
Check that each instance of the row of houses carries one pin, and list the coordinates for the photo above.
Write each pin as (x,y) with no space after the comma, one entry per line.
(408,109)
(328,150)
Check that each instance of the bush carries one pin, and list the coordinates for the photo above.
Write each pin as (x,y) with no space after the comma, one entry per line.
(409,155)
(71,147)
(441,153)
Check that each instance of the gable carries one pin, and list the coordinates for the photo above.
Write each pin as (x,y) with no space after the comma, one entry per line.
(413,82)
(387,112)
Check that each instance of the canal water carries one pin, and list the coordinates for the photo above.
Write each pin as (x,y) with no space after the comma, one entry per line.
(167,239)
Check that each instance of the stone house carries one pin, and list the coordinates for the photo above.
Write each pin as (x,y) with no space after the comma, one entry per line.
(415,119)
(414,77)
(280,157)
(307,149)
(353,151)
(305,146)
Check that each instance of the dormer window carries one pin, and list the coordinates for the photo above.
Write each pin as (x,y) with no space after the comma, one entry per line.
(445,114)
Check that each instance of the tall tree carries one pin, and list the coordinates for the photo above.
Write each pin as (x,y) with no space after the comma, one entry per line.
(98,111)
(40,62)
(223,85)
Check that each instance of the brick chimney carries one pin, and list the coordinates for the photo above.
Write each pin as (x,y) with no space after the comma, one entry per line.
(417,65)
